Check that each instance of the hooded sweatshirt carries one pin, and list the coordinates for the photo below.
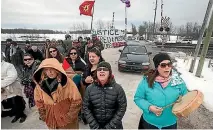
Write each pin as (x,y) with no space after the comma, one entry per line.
(60,105)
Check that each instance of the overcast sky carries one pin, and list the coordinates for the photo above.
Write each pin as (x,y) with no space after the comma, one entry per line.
(61,14)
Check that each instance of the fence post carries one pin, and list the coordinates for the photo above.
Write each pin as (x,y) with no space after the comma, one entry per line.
(210,62)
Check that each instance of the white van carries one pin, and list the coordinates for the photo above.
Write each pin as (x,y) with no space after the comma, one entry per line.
(186,41)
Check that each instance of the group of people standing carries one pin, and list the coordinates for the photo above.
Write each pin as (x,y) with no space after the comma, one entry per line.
(67,84)
(72,81)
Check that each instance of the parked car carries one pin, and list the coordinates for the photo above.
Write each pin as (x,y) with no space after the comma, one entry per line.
(134,57)
(129,38)
(186,41)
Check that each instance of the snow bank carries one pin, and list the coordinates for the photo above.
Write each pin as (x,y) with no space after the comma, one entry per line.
(204,84)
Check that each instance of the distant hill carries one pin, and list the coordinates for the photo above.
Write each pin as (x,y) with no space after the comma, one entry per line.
(40,31)
(30,31)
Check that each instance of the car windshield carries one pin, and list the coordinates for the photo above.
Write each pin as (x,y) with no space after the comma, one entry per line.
(186,40)
(135,50)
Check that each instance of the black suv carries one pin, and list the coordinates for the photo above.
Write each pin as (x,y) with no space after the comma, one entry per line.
(134,57)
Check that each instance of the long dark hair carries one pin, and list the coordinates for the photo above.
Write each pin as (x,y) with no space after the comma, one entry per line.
(73,48)
(151,75)
(98,53)
(79,38)
(59,57)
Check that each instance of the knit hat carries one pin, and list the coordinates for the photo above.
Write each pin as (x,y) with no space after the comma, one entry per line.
(27,42)
(160,57)
(105,64)
(9,40)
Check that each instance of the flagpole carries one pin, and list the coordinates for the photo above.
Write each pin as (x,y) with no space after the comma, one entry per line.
(93,10)
(125,22)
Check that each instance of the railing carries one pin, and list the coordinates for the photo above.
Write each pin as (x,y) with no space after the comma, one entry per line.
(181,45)
(186,48)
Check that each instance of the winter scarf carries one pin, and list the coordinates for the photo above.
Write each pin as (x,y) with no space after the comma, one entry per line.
(163,81)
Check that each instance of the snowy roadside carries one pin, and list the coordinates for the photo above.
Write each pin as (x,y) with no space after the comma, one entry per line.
(204,84)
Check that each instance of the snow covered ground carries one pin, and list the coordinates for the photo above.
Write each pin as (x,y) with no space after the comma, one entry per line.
(204,84)
(39,37)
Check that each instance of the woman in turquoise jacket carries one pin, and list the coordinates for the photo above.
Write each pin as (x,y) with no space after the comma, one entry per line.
(157,89)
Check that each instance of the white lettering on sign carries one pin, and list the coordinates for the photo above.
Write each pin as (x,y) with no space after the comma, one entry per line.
(110,36)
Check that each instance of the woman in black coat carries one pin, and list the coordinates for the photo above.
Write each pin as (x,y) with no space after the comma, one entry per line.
(105,101)
(30,66)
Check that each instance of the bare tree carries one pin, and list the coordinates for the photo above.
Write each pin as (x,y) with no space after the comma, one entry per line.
(134,30)
(100,24)
(84,26)
(108,25)
(175,30)
(171,28)
(196,30)
(73,27)
(81,26)
(141,30)
(189,29)
(149,29)
(181,30)
(157,27)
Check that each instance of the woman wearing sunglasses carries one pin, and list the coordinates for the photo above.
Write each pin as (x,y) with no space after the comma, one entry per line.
(156,92)
(105,101)
(53,52)
(95,58)
(30,65)
(77,65)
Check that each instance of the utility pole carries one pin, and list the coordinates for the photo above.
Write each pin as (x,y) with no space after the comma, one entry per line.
(113,20)
(93,10)
(205,47)
(205,21)
(125,22)
(156,5)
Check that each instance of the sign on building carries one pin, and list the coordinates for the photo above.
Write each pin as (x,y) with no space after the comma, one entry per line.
(110,36)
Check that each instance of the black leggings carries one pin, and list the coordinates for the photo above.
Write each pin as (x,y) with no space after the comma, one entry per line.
(17,104)
(144,125)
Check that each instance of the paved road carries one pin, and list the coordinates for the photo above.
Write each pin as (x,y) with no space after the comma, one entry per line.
(202,118)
